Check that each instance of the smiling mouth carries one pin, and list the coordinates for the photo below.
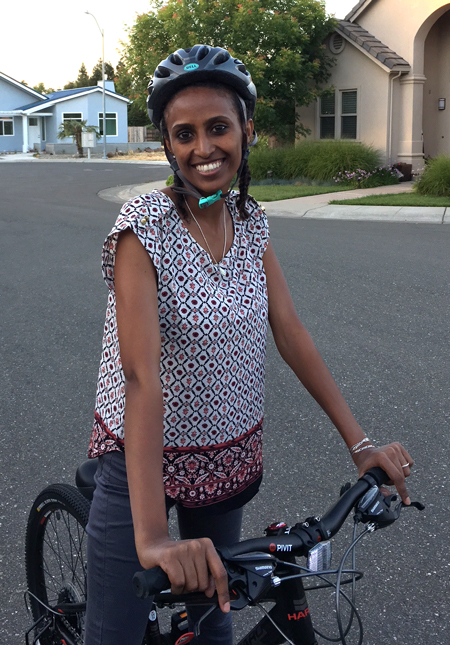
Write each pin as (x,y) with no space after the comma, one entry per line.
(209,167)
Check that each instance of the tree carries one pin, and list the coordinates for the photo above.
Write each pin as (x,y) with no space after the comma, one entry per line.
(97,72)
(74,129)
(40,87)
(137,113)
(281,42)
(84,80)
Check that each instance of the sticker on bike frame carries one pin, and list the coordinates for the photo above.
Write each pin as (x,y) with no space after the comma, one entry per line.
(280,547)
(299,615)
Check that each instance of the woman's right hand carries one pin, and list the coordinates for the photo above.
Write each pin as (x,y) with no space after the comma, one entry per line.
(191,565)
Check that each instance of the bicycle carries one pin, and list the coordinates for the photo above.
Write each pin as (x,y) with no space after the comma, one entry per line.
(260,570)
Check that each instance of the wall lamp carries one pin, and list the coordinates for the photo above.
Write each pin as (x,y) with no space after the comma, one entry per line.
(441,104)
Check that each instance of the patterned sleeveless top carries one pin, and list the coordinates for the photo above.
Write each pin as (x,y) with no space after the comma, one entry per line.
(213,347)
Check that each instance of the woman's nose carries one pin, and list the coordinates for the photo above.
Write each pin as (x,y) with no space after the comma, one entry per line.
(204,146)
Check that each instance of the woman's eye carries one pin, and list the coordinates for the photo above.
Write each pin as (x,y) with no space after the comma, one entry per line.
(220,128)
(184,135)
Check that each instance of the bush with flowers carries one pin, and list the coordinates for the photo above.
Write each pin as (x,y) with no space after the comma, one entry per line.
(318,161)
(359,178)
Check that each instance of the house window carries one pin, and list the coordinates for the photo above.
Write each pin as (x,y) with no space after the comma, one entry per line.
(111,123)
(349,115)
(32,120)
(327,116)
(43,128)
(72,116)
(6,127)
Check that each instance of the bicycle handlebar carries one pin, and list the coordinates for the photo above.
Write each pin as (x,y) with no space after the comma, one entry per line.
(298,541)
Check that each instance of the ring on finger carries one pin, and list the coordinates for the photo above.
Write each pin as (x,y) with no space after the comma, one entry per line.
(405,465)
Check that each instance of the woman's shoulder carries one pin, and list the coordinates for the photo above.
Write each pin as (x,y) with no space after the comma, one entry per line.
(148,206)
(255,226)
(255,211)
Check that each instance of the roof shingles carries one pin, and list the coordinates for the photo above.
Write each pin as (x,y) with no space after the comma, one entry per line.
(384,54)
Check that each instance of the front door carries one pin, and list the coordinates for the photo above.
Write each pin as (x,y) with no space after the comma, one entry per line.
(34,133)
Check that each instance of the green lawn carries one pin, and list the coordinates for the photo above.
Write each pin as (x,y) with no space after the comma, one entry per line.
(400,199)
(273,193)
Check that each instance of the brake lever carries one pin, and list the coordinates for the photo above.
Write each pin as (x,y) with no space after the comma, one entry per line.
(379,510)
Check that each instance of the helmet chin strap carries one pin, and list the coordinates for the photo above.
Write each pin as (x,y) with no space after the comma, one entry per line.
(189,189)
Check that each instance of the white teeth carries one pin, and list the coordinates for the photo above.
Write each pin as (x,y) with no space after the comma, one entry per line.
(209,166)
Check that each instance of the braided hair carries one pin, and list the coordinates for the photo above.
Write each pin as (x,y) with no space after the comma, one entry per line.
(245,176)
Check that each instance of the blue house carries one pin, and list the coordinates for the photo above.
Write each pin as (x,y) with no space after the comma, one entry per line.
(30,120)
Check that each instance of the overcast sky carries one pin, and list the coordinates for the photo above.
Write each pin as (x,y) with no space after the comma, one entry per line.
(47,41)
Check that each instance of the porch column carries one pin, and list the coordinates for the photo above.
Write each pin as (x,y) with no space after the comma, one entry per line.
(24,133)
(411,139)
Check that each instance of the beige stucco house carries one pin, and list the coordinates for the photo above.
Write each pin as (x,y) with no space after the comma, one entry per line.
(391,80)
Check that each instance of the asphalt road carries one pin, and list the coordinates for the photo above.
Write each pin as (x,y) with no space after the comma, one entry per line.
(375,298)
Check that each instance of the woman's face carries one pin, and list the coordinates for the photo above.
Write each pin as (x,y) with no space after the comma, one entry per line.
(205,135)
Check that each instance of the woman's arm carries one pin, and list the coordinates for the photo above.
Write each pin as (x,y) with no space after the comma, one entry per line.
(298,350)
(188,562)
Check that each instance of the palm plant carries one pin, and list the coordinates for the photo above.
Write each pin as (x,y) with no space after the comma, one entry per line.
(74,129)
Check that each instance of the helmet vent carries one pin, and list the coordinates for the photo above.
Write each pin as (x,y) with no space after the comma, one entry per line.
(202,52)
(242,68)
(175,59)
(221,57)
(188,50)
(161,72)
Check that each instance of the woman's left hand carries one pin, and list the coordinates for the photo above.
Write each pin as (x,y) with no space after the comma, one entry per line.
(393,459)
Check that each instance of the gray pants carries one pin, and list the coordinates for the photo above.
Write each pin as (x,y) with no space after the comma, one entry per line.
(115,616)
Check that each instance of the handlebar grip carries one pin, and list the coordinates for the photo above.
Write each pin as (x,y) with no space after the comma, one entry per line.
(378,475)
(150,582)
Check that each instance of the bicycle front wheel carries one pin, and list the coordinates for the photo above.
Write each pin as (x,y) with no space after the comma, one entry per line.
(55,558)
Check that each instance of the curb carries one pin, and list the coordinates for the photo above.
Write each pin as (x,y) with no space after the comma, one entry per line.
(388,214)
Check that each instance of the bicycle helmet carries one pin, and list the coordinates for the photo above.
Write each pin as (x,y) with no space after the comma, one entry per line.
(194,65)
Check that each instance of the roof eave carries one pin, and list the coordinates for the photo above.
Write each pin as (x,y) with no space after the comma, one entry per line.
(406,68)
(357,10)
(22,86)
(52,102)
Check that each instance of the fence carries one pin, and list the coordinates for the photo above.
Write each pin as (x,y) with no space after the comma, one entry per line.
(141,134)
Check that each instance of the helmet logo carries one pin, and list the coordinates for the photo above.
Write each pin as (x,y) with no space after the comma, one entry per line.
(190,67)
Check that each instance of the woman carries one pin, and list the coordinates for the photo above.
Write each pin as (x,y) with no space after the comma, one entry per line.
(193,281)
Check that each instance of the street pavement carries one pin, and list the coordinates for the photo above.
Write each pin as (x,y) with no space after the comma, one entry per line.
(373,295)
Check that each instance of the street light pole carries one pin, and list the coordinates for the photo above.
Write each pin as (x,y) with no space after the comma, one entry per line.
(103,81)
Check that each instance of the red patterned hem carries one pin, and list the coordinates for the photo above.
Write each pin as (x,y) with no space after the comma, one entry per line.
(202,476)
(198,476)
(102,439)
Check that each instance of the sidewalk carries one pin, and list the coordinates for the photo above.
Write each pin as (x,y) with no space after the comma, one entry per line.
(317,207)
(29,156)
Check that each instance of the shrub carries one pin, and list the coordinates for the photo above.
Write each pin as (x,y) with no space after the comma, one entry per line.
(263,162)
(436,178)
(316,160)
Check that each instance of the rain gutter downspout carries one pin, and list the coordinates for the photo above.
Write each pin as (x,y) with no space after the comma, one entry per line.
(391,107)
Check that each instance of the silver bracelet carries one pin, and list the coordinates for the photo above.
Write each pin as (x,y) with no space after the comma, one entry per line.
(357,445)
(363,448)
